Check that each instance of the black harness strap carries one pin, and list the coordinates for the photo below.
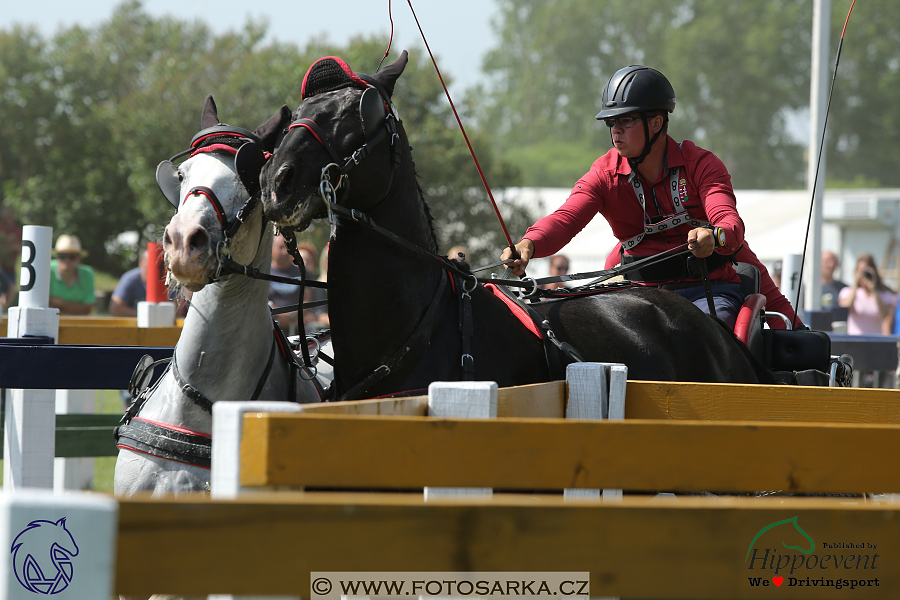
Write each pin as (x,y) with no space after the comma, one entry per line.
(165,442)
(552,347)
(205,403)
(414,346)
(707,286)
(466,331)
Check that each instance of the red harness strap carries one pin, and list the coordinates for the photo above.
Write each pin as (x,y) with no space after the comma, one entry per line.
(517,310)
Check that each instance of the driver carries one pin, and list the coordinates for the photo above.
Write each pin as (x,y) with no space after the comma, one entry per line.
(657,194)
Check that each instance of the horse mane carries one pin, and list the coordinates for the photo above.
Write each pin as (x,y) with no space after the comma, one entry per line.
(426,211)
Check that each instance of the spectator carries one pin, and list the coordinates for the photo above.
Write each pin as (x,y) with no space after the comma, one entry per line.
(831,287)
(870,302)
(454,254)
(71,283)
(559,265)
(284,294)
(131,289)
(776,273)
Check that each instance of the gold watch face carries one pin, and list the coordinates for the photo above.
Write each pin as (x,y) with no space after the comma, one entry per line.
(721,236)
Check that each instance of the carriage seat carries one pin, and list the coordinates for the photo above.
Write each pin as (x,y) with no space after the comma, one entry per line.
(805,354)
(749,275)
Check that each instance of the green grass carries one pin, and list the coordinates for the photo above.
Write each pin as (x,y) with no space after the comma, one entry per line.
(108,402)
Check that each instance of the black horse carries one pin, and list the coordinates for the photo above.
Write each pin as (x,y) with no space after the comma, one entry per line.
(397,317)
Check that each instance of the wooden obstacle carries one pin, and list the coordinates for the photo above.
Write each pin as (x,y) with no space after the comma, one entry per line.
(675,437)
(113,331)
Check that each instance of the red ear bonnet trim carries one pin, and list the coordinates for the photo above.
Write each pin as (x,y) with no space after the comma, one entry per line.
(329,74)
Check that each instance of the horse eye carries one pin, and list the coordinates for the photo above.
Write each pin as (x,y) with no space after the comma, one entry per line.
(180,176)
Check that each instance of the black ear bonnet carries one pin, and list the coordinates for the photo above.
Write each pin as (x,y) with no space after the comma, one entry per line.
(331,73)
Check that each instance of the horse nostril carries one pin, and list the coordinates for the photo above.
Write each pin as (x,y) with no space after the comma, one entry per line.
(167,239)
(198,240)
(283,179)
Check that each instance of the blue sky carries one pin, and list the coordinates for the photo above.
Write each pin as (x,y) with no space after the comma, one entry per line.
(458,32)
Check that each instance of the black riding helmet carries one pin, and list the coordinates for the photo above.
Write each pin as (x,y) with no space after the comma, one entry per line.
(637,89)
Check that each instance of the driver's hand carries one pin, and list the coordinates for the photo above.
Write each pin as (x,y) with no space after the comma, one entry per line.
(526,251)
(701,241)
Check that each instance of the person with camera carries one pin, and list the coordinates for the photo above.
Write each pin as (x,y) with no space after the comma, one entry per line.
(870,302)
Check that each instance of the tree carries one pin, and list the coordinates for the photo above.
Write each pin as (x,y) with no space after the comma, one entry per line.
(88,115)
(739,70)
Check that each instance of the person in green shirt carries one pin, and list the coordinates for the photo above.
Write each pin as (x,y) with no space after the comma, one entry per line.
(71,283)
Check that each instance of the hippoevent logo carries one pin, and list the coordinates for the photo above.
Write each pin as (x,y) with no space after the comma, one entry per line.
(42,556)
(838,564)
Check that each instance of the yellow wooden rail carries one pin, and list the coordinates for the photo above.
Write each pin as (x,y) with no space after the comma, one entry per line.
(677,401)
(639,548)
(112,331)
(411,452)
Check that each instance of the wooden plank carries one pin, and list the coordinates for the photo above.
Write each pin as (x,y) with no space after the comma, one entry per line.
(102,335)
(80,320)
(541,400)
(411,452)
(73,367)
(692,548)
(413,406)
(734,402)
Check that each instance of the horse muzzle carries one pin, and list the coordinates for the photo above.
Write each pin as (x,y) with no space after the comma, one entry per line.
(189,252)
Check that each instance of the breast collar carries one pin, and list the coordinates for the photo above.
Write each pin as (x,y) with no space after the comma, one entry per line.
(678,189)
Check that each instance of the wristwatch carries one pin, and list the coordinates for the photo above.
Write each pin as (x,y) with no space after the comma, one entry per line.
(718,234)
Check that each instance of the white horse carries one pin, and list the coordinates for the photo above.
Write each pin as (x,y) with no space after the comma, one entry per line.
(228,349)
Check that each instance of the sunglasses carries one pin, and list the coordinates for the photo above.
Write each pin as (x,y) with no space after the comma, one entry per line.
(623,122)
(67,256)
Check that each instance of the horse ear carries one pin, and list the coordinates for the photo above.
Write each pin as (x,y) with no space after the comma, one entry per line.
(388,76)
(210,116)
(371,109)
(269,131)
(248,162)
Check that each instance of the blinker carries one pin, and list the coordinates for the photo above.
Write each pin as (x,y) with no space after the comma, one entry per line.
(248,162)
(371,110)
(168,181)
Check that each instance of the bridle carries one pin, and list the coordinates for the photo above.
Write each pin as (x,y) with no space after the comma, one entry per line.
(175,443)
(376,108)
(249,156)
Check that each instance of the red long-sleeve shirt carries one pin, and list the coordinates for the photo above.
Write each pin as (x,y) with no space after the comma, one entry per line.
(605,189)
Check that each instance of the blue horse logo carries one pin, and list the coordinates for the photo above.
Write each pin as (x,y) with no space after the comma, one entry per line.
(42,556)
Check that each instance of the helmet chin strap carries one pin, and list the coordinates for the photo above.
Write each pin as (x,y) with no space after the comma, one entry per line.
(648,141)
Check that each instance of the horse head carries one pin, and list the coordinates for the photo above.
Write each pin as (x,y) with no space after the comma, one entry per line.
(345,135)
(215,191)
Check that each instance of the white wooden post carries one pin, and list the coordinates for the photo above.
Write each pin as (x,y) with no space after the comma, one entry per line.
(74,473)
(29,444)
(225,463)
(596,391)
(461,400)
(80,527)
(228,424)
